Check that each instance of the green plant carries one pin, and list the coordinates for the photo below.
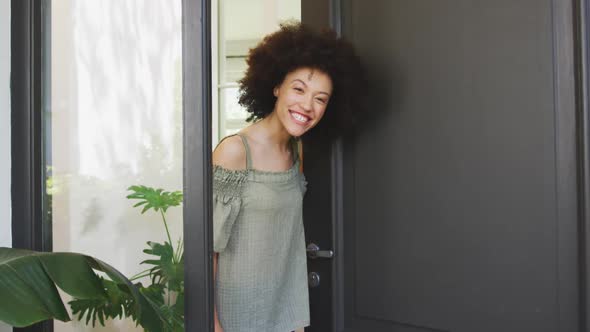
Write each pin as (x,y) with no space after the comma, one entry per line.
(28,281)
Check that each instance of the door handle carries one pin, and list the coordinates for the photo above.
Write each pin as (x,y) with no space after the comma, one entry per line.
(313,252)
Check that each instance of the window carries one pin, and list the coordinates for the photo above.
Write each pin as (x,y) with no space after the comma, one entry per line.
(114,119)
(85,67)
(239,25)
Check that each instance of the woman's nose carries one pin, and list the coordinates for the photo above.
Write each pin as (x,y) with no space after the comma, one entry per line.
(306,103)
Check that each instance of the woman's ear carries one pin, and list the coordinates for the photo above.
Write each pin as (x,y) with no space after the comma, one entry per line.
(275,91)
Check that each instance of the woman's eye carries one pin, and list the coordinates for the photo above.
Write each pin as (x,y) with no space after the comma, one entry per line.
(323,101)
(298,89)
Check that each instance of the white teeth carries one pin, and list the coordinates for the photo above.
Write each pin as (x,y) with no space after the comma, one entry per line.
(299,117)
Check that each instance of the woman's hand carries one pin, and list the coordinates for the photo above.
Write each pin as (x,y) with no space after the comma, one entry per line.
(218,327)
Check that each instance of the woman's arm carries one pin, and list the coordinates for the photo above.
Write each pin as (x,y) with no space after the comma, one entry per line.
(217,324)
(229,154)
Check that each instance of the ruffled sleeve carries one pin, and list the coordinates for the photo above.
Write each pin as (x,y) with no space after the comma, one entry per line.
(227,201)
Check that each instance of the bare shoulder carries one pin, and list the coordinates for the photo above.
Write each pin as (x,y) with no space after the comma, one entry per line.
(230,154)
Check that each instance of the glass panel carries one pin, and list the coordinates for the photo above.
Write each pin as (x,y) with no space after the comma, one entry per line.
(114,121)
(241,25)
(235,115)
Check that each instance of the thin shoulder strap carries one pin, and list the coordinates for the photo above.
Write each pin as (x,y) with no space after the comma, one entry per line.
(297,148)
(300,154)
(247,147)
(294,149)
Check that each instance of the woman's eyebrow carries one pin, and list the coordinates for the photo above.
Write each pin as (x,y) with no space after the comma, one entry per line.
(298,80)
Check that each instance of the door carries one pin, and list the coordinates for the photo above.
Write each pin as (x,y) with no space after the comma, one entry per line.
(453,207)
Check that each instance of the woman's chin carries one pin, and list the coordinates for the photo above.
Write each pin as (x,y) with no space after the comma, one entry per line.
(297,130)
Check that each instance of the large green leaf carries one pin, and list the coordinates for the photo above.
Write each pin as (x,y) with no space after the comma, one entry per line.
(118,305)
(28,294)
(165,270)
(28,281)
(150,317)
(156,199)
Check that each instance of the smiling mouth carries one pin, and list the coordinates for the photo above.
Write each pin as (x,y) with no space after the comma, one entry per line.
(299,118)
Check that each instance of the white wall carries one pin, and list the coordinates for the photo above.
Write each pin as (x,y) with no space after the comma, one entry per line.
(5,233)
(253,19)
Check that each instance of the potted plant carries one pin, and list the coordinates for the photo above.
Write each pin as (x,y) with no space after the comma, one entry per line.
(29,280)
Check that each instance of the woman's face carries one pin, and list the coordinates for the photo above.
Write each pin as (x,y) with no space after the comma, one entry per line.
(302,99)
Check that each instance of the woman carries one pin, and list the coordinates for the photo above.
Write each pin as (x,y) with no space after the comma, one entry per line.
(295,78)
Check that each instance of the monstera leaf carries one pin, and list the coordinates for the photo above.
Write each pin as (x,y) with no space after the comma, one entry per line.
(156,199)
(29,282)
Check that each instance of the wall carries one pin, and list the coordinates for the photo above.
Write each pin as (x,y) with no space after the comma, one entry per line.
(5,233)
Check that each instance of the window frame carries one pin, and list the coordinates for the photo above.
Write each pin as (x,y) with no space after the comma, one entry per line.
(30,90)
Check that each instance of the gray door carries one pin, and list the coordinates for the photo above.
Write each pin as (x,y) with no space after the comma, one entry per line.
(454,206)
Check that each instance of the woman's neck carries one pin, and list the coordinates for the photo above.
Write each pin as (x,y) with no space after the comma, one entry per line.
(271,130)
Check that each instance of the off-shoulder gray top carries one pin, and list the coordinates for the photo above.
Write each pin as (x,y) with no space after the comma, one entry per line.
(261,282)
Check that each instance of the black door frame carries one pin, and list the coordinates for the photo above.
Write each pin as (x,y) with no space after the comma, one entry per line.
(30,38)
(27,42)
(581,26)
(29,229)
(198,192)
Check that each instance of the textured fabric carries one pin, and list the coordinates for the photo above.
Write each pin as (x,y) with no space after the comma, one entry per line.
(261,285)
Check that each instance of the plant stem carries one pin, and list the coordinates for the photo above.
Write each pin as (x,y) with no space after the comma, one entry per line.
(168,293)
(139,276)
(168,233)
(139,273)
(179,249)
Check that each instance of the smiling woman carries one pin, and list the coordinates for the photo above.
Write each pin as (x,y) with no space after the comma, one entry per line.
(295,76)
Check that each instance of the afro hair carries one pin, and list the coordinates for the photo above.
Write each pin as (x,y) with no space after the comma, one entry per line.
(295,46)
